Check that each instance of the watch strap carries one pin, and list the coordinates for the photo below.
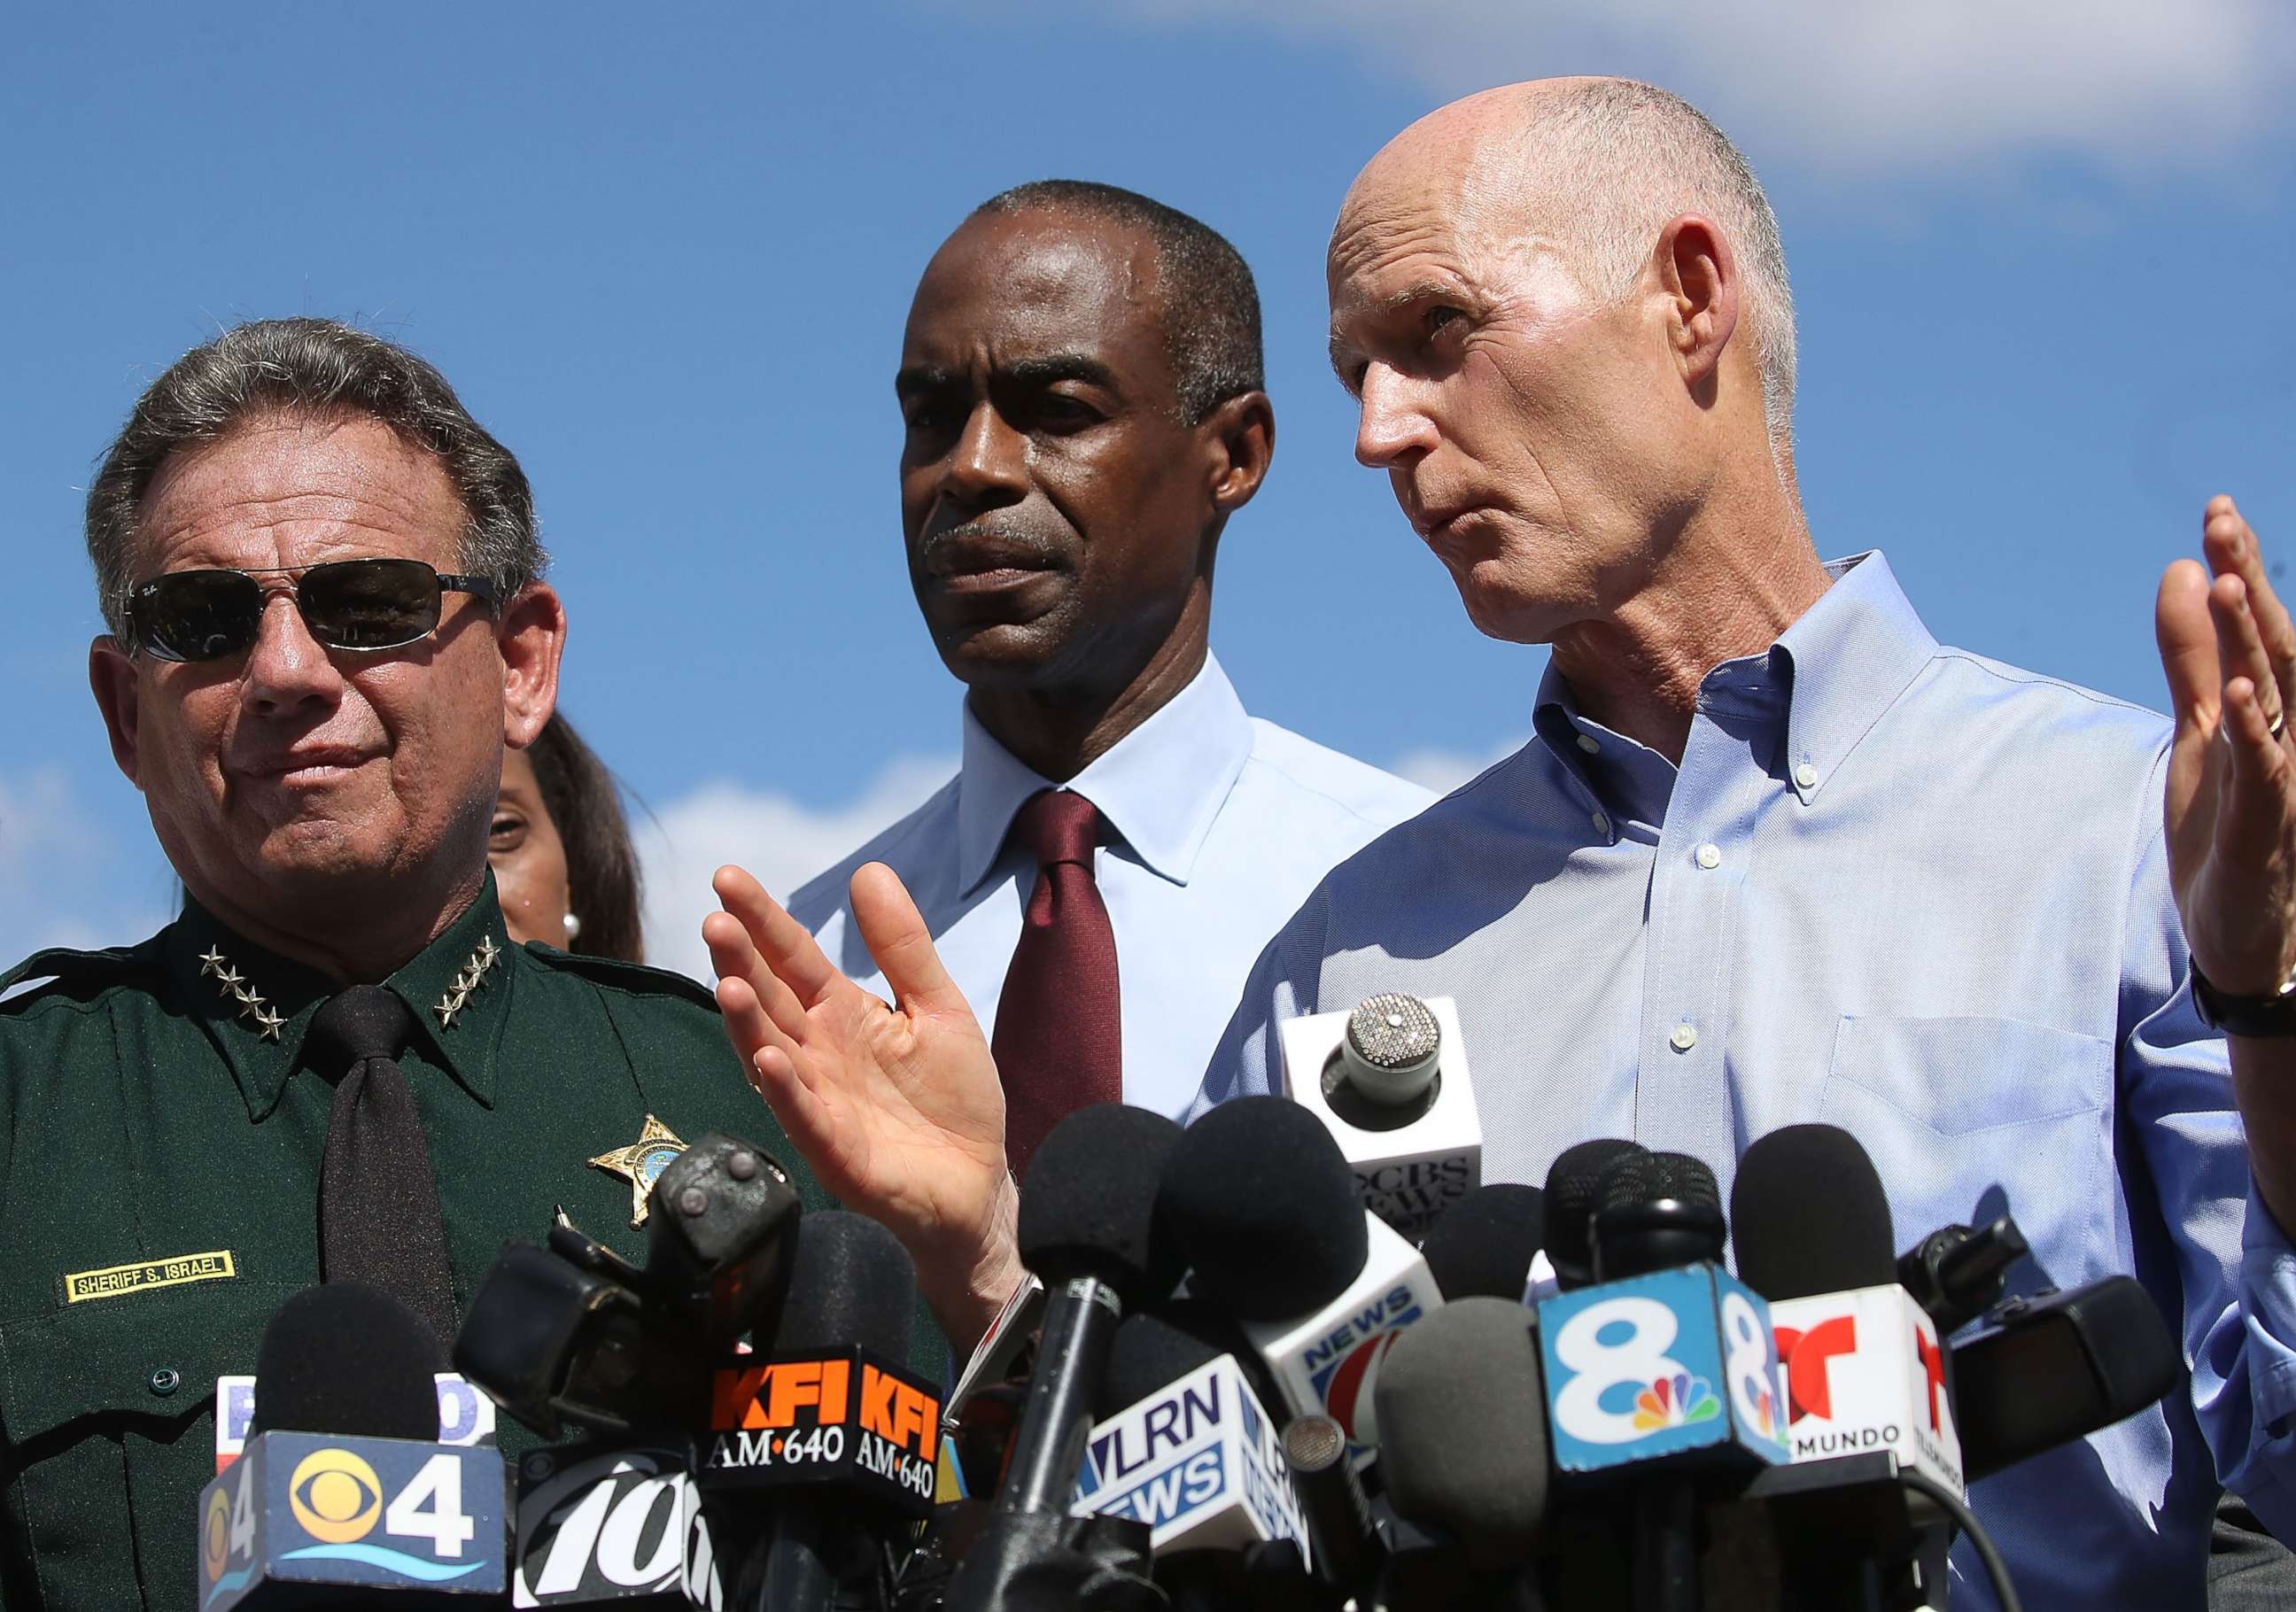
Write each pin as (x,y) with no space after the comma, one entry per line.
(2263,1017)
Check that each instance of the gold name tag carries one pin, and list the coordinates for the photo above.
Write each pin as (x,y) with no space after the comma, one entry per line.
(114,1280)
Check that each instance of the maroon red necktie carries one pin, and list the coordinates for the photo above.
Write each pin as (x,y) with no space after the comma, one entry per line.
(1060,1033)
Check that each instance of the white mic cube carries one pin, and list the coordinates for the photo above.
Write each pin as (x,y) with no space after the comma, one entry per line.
(1199,1462)
(1412,1160)
(1864,1369)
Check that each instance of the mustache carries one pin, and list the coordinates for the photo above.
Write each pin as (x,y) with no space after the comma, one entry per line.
(1015,545)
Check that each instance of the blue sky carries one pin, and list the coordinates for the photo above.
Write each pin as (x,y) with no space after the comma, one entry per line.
(665,253)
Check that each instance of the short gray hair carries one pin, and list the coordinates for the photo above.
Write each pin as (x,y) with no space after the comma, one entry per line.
(319,369)
(1628,157)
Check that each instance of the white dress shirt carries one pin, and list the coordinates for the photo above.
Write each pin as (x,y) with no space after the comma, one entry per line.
(1218,824)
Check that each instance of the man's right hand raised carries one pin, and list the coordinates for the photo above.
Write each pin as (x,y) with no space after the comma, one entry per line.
(896,1107)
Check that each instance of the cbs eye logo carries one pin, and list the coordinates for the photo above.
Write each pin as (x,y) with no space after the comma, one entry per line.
(335,1496)
(215,1537)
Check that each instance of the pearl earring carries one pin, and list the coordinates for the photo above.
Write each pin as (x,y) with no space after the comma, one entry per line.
(573,925)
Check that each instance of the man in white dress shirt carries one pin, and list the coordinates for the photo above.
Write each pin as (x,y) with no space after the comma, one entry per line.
(1081,383)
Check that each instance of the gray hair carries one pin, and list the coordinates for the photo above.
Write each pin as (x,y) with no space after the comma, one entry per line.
(320,369)
(1626,157)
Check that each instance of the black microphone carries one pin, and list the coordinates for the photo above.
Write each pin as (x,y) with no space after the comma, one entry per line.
(1574,1184)
(1958,1272)
(1263,1203)
(823,1443)
(2057,1367)
(1089,1228)
(1864,1369)
(1464,1419)
(343,1492)
(1484,1245)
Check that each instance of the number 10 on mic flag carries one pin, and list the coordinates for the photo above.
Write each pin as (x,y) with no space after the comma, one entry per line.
(1666,1365)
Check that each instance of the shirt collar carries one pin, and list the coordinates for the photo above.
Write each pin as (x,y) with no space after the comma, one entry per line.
(257,1006)
(1842,663)
(1160,788)
(1849,657)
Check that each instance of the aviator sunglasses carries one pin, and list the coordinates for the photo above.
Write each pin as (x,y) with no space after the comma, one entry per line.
(348,604)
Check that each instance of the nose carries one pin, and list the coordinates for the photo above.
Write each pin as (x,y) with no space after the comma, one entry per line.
(987,465)
(1392,426)
(287,668)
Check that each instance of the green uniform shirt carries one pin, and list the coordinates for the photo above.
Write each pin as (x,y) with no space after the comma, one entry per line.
(160,1190)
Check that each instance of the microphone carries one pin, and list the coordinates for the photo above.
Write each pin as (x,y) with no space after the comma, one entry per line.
(1864,1369)
(1957,1272)
(1349,1551)
(342,1492)
(1192,1451)
(2058,1367)
(1089,1228)
(1261,1199)
(624,1526)
(1465,1428)
(1487,1244)
(1665,1364)
(1390,1081)
(820,1445)
(1574,1182)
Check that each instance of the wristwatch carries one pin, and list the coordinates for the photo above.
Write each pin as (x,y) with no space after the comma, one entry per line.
(2263,1017)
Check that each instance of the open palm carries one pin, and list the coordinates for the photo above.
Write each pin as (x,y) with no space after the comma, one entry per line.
(896,1106)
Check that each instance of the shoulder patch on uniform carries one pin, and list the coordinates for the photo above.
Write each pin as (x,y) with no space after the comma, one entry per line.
(117,1282)
(638,977)
(69,967)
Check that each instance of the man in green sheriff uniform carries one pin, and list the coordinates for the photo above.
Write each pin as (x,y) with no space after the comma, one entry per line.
(320,751)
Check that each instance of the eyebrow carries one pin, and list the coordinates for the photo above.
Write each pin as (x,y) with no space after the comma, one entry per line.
(1045,371)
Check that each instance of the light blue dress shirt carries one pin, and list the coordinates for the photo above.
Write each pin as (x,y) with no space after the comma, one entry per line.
(1905,890)
(1221,824)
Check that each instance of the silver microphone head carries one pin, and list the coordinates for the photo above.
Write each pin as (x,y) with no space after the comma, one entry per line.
(1391,1048)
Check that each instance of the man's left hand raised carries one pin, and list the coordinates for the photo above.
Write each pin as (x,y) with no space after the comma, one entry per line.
(2228,648)
(896,1107)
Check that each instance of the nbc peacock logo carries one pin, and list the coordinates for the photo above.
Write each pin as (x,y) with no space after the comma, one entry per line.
(1675,1402)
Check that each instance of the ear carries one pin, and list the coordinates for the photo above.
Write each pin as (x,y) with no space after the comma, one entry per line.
(1240,435)
(112,676)
(1699,273)
(532,634)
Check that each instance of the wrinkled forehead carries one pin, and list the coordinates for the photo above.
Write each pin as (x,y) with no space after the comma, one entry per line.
(295,488)
(1031,280)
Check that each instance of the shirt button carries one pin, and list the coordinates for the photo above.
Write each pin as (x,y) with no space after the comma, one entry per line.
(1710,855)
(1589,743)
(1684,1037)
(1601,825)
(166,1380)
(1806,775)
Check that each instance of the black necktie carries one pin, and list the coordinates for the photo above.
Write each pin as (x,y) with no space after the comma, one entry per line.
(379,1220)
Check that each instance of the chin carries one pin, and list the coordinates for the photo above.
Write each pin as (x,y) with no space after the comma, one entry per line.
(1001,657)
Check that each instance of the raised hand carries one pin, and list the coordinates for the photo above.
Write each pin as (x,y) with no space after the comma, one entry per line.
(2229,650)
(896,1106)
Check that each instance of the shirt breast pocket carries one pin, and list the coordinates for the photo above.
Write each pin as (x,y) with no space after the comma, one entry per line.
(1968,1119)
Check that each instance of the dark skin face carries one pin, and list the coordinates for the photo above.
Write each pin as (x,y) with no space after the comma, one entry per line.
(1060,516)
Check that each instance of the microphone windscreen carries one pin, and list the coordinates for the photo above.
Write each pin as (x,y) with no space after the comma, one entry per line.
(1462,1427)
(1156,1348)
(1089,1207)
(349,1359)
(1483,1244)
(1263,1205)
(1811,1215)
(1641,1178)
(1574,1182)
(851,1283)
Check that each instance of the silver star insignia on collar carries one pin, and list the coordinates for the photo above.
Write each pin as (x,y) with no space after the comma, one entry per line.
(472,978)
(232,985)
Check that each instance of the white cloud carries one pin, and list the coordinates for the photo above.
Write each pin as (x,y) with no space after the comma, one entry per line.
(781,841)
(1854,84)
(63,882)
